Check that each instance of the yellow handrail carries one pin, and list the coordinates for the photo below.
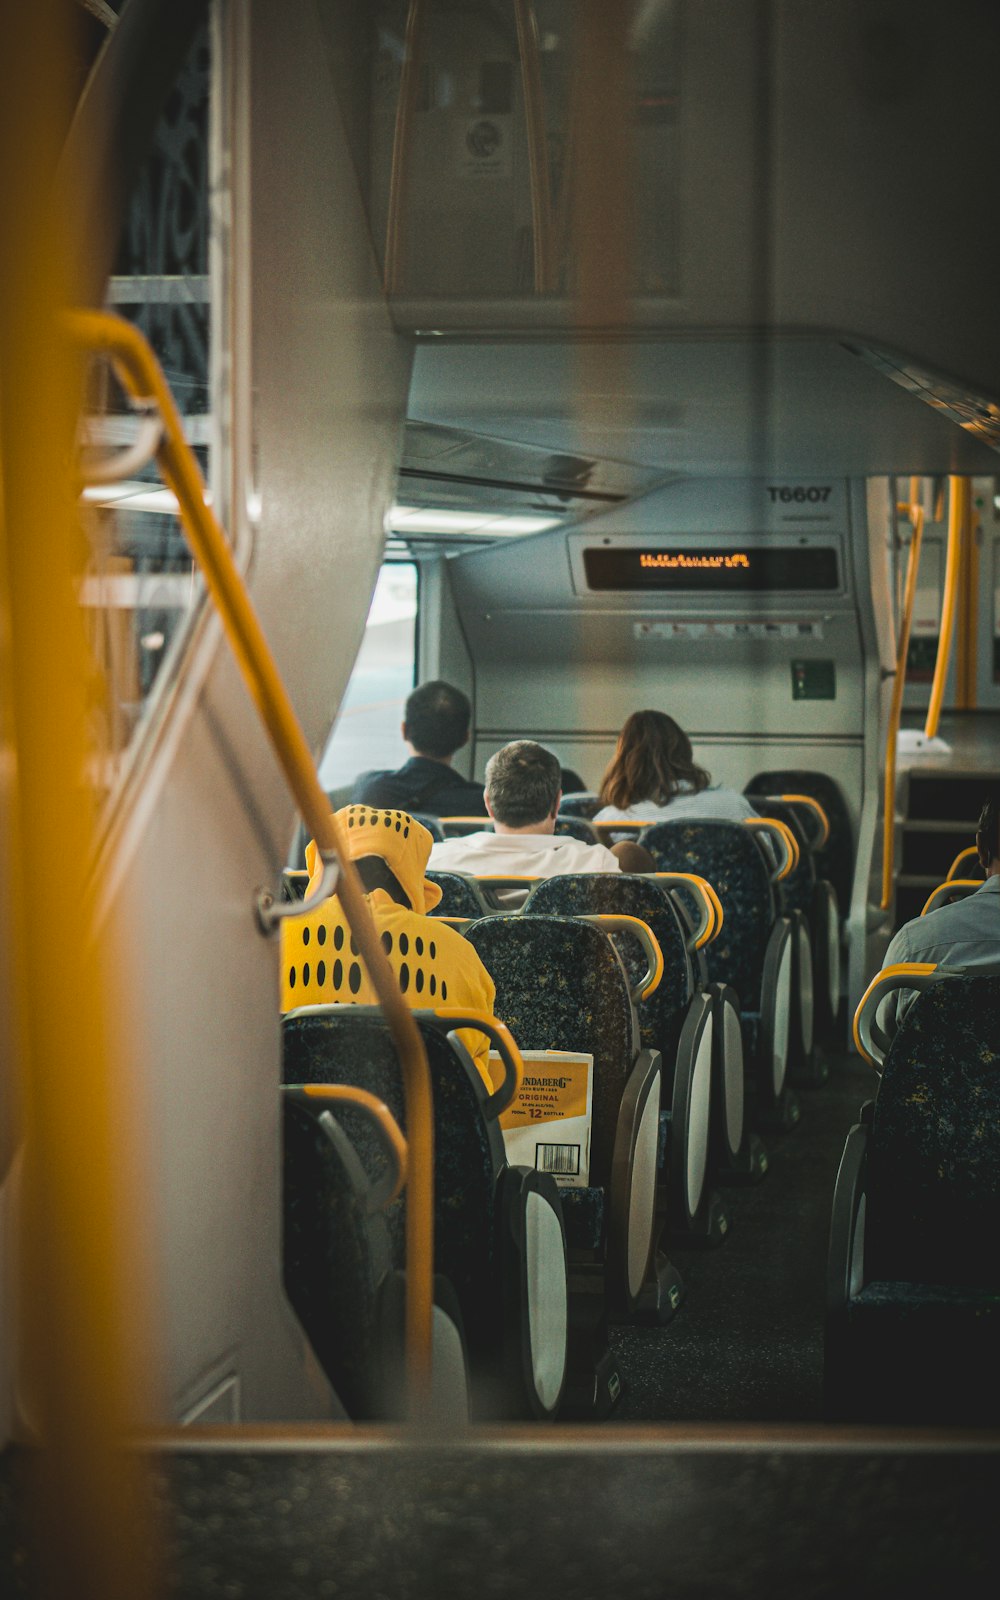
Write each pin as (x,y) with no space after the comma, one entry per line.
(86,1355)
(958,507)
(141,375)
(915,512)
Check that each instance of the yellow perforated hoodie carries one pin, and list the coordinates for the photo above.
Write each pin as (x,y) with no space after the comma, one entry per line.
(434,964)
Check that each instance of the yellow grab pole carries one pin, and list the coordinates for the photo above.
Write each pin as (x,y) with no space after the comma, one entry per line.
(958,501)
(916,514)
(141,374)
(86,1353)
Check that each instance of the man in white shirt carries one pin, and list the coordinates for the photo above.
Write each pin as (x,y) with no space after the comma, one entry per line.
(965,934)
(523,791)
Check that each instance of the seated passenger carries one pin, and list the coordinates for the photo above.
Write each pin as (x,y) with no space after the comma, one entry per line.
(523,791)
(434,964)
(435,726)
(654,777)
(965,934)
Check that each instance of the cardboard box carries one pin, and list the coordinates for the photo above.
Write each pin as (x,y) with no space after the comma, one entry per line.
(548,1125)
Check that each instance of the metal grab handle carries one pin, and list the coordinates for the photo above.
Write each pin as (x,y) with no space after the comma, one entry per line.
(618,923)
(271,912)
(500,1035)
(818,814)
(959,887)
(872,1041)
(712,915)
(141,375)
(394,1143)
(781,834)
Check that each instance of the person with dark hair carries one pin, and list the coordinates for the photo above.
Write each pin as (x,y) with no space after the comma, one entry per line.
(965,934)
(523,791)
(655,778)
(435,726)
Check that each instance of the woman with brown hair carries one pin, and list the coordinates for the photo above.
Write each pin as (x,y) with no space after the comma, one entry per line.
(654,776)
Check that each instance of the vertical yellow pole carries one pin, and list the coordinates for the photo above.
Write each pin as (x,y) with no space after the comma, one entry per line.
(82,1298)
(916,514)
(958,501)
(967,623)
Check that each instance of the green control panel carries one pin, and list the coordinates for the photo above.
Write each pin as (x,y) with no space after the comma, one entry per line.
(814,680)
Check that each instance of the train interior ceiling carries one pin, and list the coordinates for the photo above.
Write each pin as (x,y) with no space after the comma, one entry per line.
(589,358)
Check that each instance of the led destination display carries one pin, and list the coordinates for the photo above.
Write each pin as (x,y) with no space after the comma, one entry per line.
(713,569)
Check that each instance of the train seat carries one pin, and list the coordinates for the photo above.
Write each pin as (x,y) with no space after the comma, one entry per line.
(807,890)
(576,828)
(460,895)
(561,985)
(340,1273)
(675,1020)
(754,953)
(585,804)
(811,903)
(834,859)
(499,1237)
(913,1323)
(432,824)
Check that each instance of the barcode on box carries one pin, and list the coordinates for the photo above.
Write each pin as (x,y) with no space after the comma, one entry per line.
(563,1159)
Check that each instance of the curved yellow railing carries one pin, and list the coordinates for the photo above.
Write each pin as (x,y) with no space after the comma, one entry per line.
(142,377)
(351,1094)
(958,511)
(915,511)
(883,983)
(939,896)
(765,825)
(818,811)
(967,857)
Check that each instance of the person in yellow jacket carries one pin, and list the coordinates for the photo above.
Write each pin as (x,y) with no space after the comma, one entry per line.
(434,964)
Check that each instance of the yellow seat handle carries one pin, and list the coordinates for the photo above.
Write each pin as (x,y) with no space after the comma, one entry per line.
(871,1041)
(952,888)
(393,1138)
(498,1034)
(614,922)
(782,836)
(817,812)
(712,915)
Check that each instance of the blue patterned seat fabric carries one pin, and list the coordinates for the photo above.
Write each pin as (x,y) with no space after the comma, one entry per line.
(725,853)
(661,1017)
(835,860)
(576,828)
(933,1208)
(459,896)
(580,805)
(341,1044)
(561,986)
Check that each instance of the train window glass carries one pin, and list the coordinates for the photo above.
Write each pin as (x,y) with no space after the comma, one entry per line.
(367,731)
(140,591)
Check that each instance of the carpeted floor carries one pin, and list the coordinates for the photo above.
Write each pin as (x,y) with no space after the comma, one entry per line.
(747,1343)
